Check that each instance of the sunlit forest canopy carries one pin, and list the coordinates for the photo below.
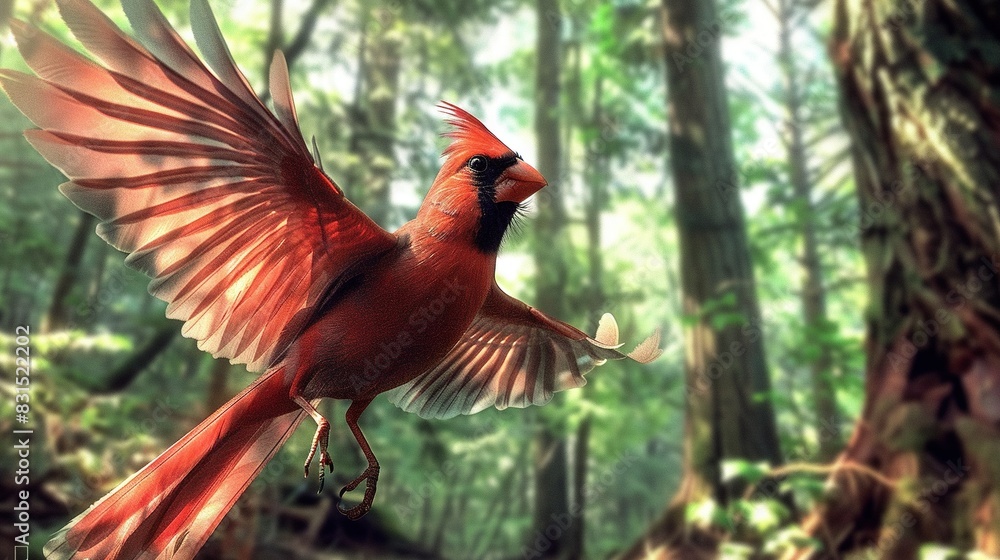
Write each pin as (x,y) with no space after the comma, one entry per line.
(816,244)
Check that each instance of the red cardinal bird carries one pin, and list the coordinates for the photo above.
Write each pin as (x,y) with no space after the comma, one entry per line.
(258,252)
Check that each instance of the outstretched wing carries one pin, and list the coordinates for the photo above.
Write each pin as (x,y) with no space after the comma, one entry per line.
(212,195)
(513,355)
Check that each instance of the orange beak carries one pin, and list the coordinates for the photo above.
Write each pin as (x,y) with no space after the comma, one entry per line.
(518,182)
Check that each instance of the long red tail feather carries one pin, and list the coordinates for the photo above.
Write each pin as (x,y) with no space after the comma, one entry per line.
(170,507)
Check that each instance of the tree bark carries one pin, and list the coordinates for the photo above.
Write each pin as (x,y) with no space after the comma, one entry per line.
(918,98)
(725,366)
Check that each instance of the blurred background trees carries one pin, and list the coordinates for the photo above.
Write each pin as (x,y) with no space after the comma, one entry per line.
(818,241)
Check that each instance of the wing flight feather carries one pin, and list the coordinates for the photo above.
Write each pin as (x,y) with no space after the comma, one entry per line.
(211,194)
(513,356)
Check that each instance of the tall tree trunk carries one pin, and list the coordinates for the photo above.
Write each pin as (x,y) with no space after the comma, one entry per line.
(919,100)
(813,290)
(549,533)
(725,367)
(57,316)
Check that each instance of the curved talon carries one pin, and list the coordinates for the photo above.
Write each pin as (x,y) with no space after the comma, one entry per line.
(370,476)
(324,461)
(320,441)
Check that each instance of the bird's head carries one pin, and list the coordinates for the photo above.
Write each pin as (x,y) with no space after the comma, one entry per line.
(482,184)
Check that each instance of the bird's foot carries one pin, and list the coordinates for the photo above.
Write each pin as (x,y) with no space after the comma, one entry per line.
(370,477)
(320,442)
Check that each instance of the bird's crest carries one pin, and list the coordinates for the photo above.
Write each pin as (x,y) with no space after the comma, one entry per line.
(469,136)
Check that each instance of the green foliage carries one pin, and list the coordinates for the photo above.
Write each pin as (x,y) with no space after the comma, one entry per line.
(742,469)
(707,514)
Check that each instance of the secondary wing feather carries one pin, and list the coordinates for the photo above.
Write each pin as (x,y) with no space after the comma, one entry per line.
(513,355)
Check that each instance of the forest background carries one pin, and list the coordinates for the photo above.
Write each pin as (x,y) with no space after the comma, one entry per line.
(802,194)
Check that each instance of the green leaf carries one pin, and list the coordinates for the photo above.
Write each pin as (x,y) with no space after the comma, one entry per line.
(706,513)
(733,469)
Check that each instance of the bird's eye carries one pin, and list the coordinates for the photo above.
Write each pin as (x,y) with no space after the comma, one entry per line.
(478,164)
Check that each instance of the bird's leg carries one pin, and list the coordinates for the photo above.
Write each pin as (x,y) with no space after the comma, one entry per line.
(320,440)
(370,475)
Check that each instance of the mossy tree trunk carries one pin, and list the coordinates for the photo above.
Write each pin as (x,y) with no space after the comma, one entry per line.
(920,101)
